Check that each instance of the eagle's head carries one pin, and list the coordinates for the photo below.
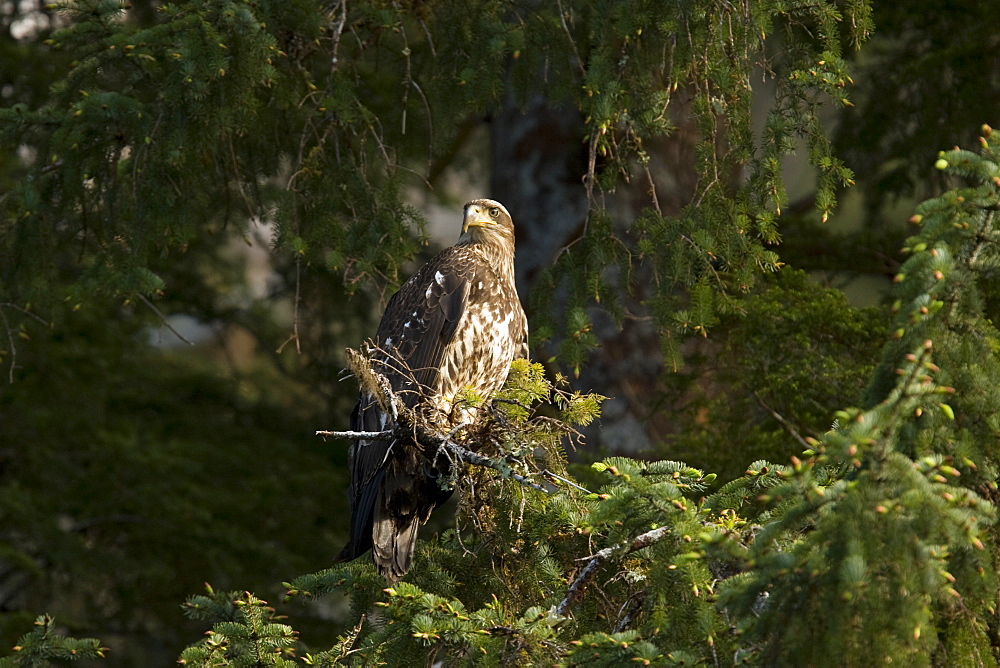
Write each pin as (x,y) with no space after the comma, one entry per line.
(487,221)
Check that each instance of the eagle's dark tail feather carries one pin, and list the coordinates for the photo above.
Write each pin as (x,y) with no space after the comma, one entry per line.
(393,543)
(363,516)
(389,509)
(403,503)
(391,539)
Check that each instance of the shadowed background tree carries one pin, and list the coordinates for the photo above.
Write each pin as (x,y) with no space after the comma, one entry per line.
(242,176)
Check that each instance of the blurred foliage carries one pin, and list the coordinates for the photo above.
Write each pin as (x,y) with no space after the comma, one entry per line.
(772,375)
(133,473)
(924,83)
(297,114)
(694,64)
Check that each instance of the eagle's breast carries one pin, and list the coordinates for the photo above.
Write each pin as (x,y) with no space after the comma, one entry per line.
(487,339)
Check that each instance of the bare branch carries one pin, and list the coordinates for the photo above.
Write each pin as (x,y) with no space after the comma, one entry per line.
(336,31)
(163,319)
(433,440)
(785,424)
(13,348)
(358,435)
(575,592)
(295,310)
(24,311)
(549,474)
(409,425)
(572,42)
(350,637)
(634,603)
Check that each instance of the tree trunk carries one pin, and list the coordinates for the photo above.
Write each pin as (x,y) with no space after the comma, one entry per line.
(538,166)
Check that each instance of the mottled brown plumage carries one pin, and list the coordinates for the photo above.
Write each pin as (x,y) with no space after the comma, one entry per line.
(456,325)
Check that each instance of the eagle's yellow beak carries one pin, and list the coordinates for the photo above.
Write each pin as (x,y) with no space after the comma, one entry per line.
(475,216)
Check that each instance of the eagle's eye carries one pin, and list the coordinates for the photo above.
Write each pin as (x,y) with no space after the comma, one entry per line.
(494,212)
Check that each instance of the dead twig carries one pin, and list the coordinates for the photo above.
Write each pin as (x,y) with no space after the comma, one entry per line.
(357,435)
(295,311)
(785,424)
(163,319)
(575,591)
(549,474)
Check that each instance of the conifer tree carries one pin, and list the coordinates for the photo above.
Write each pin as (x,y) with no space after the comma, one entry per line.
(876,545)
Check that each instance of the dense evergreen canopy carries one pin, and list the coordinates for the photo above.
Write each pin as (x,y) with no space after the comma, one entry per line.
(202,203)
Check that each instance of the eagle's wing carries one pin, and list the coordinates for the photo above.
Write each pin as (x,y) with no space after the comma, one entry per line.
(419,322)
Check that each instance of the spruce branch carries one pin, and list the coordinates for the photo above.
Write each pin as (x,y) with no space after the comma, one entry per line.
(43,644)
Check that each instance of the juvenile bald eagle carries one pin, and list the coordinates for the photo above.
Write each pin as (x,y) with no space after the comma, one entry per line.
(455,326)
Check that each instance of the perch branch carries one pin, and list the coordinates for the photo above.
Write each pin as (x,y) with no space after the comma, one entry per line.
(432,440)
(408,425)
(470,457)
(357,435)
